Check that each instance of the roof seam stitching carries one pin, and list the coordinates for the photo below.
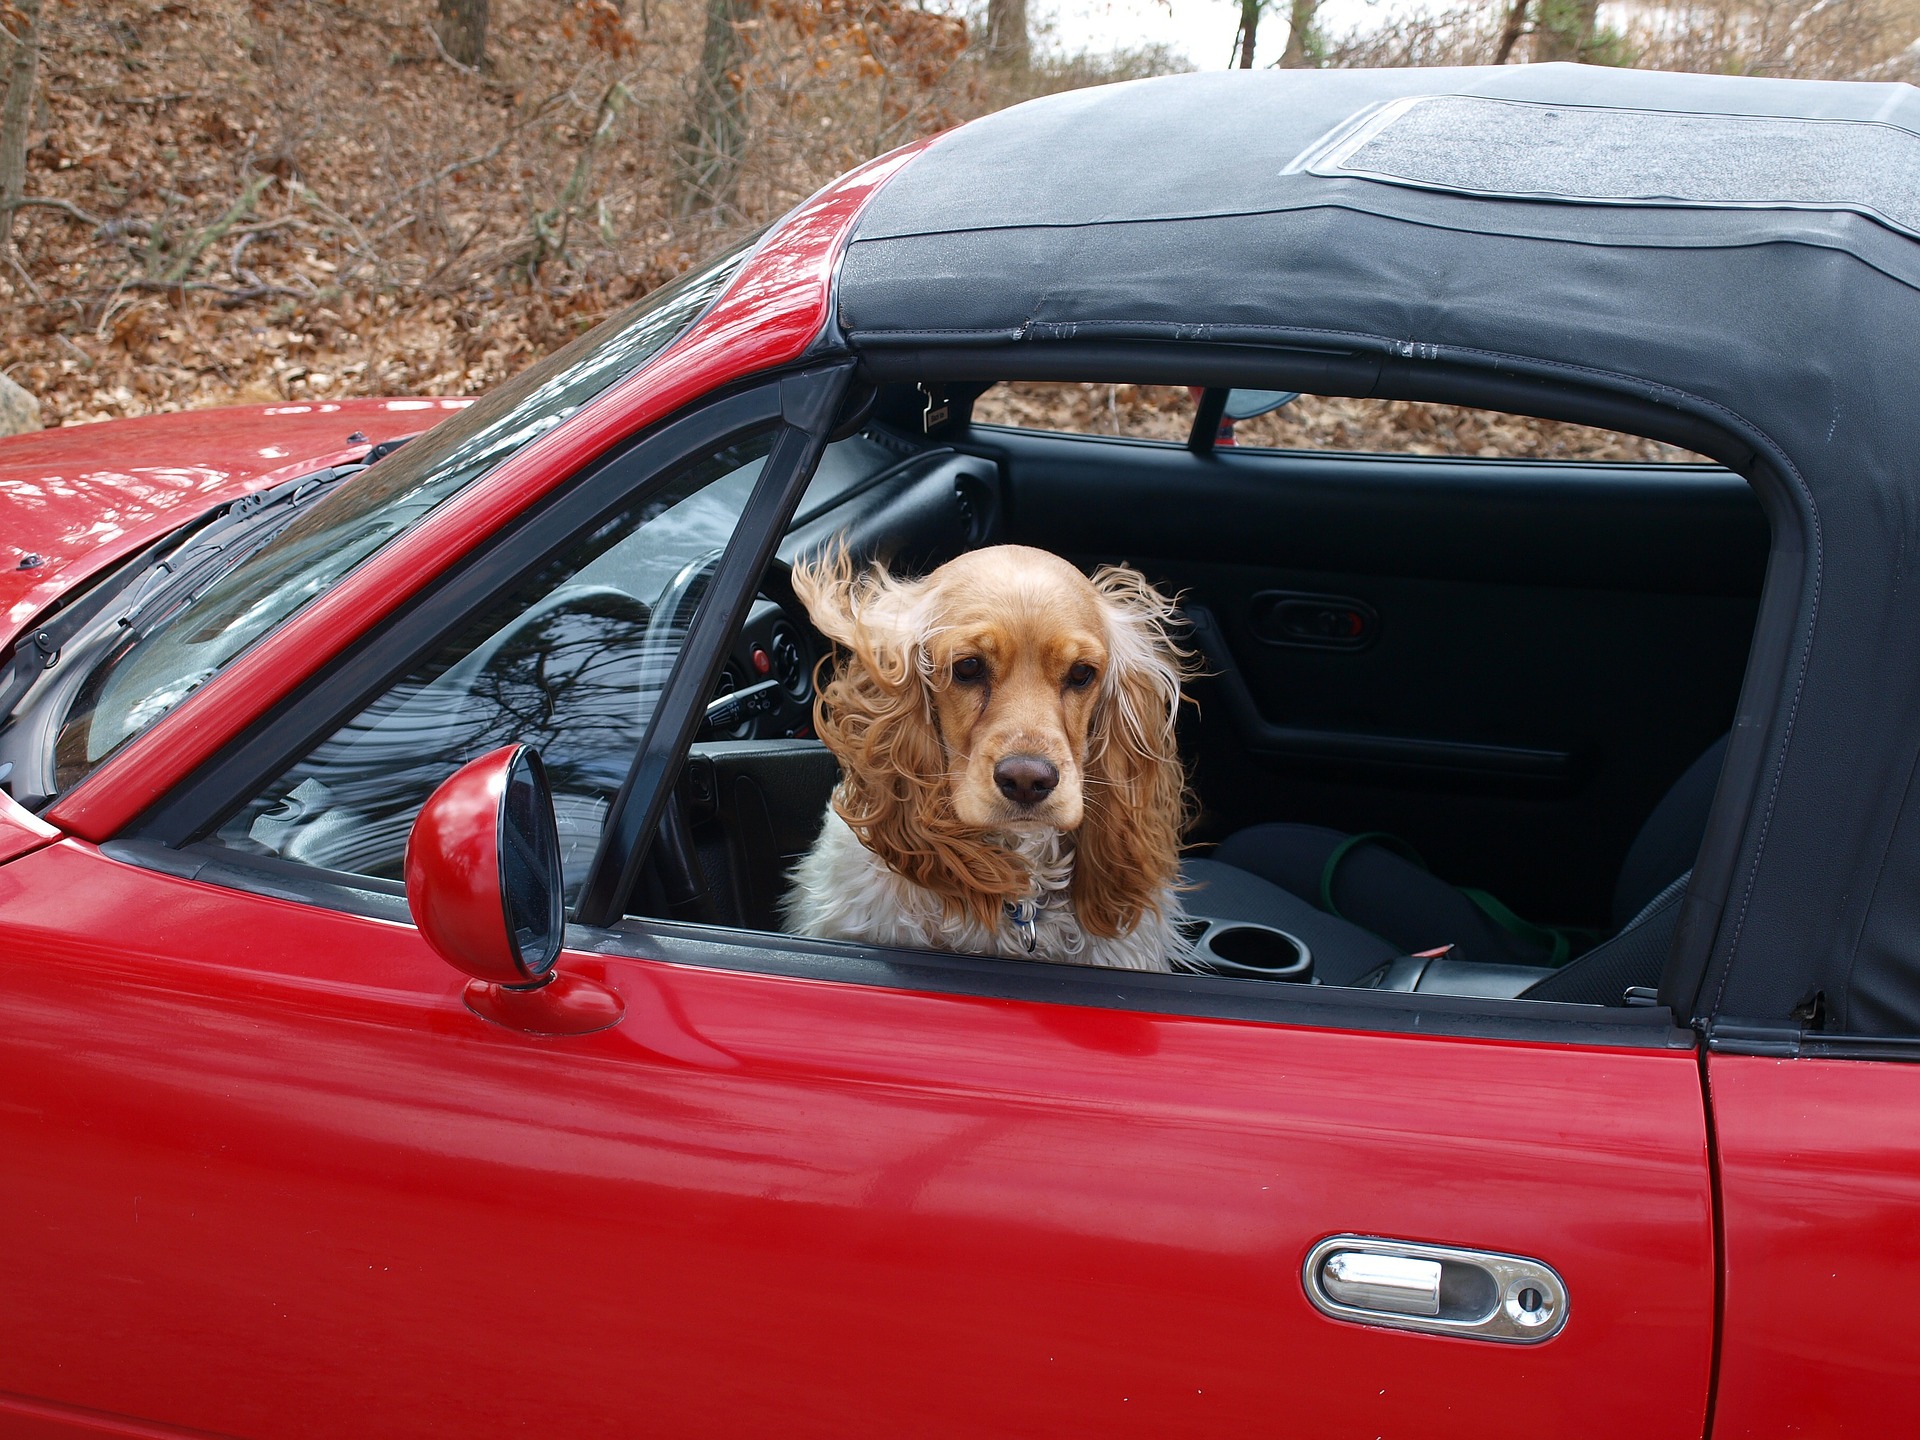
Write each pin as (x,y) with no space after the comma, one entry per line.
(1786,738)
(1810,237)
(1780,761)
(1190,330)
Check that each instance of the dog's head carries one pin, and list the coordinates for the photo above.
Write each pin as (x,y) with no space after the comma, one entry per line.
(1005,693)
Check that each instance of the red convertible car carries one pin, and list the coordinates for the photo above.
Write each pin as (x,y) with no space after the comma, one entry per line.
(362,1073)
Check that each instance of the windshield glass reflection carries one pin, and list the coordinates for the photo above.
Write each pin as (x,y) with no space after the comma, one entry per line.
(189,636)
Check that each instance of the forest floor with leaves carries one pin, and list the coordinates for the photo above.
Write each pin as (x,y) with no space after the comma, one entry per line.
(234,201)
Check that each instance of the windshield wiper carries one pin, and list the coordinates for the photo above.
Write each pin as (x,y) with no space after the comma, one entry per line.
(249,523)
(210,547)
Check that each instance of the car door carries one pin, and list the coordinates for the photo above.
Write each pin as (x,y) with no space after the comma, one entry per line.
(268,1176)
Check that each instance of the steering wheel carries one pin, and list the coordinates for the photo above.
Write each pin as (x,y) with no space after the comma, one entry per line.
(563,679)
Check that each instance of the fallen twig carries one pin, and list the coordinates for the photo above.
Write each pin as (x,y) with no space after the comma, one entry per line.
(173,99)
(65,207)
(229,299)
(183,265)
(176,287)
(14,258)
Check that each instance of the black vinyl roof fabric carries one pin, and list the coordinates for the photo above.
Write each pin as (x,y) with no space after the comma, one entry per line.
(1736,249)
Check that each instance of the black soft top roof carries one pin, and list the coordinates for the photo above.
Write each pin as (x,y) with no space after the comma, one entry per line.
(1709,254)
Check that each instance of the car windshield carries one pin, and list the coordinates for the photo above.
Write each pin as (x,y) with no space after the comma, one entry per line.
(195,633)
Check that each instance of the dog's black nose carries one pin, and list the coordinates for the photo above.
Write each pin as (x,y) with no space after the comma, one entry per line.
(1025,779)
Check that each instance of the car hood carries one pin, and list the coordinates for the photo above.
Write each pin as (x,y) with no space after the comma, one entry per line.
(75,500)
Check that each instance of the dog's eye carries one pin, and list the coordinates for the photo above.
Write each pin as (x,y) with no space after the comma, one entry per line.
(1080,676)
(969,667)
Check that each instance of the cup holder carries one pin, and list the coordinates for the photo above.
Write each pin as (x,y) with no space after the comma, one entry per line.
(1249,952)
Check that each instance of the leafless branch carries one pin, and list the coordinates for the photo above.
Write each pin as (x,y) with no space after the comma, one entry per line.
(65,207)
(434,35)
(538,114)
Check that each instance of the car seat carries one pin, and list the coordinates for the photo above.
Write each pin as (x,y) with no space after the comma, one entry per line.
(1340,884)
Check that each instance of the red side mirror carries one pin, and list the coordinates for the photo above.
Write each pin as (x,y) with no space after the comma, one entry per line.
(483,883)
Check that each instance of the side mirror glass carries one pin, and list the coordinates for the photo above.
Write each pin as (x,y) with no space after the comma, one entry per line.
(483,884)
(529,840)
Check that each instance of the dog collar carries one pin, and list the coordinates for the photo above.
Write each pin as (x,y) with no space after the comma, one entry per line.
(1023,915)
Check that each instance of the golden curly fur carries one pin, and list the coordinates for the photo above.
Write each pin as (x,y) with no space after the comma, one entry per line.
(1007,656)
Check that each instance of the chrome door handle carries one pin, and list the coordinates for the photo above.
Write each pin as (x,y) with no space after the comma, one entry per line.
(1395,1284)
(1476,1294)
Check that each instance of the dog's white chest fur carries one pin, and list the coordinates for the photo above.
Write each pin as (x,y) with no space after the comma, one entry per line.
(843,891)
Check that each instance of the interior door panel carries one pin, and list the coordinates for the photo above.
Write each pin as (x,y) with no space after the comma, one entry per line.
(756,806)
(1541,647)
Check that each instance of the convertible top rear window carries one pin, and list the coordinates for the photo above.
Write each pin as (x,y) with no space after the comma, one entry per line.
(167,658)
(1600,154)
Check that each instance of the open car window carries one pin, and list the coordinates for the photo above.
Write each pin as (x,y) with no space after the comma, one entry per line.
(1445,737)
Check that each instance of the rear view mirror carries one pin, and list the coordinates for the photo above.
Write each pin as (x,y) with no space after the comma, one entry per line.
(1245,404)
(483,884)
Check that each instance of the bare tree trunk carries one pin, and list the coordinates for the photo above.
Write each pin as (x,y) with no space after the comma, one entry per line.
(1300,31)
(1009,43)
(16,118)
(1563,29)
(716,134)
(1511,32)
(461,26)
(1249,30)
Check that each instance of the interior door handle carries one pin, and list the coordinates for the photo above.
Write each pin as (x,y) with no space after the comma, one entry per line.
(1398,754)
(1475,1294)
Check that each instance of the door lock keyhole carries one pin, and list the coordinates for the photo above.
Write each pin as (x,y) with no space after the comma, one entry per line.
(1528,1305)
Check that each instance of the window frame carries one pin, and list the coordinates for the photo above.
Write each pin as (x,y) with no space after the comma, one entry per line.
(1503,383)
(351,679)
(1211,406)
(1518,384)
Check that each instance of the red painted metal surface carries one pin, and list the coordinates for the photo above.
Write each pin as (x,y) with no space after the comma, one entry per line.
(566,1003)
(21,830)
(85,496)
(1819,1168)
(266,1176)
(455,895)
(772,311)
(453,871)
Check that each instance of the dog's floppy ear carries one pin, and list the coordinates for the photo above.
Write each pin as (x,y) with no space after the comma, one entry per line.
(1127,849)
(875,713)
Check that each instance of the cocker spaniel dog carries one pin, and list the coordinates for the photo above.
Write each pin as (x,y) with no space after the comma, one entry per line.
(1010,783)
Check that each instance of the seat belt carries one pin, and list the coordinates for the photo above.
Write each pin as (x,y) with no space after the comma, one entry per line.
(1556,940)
